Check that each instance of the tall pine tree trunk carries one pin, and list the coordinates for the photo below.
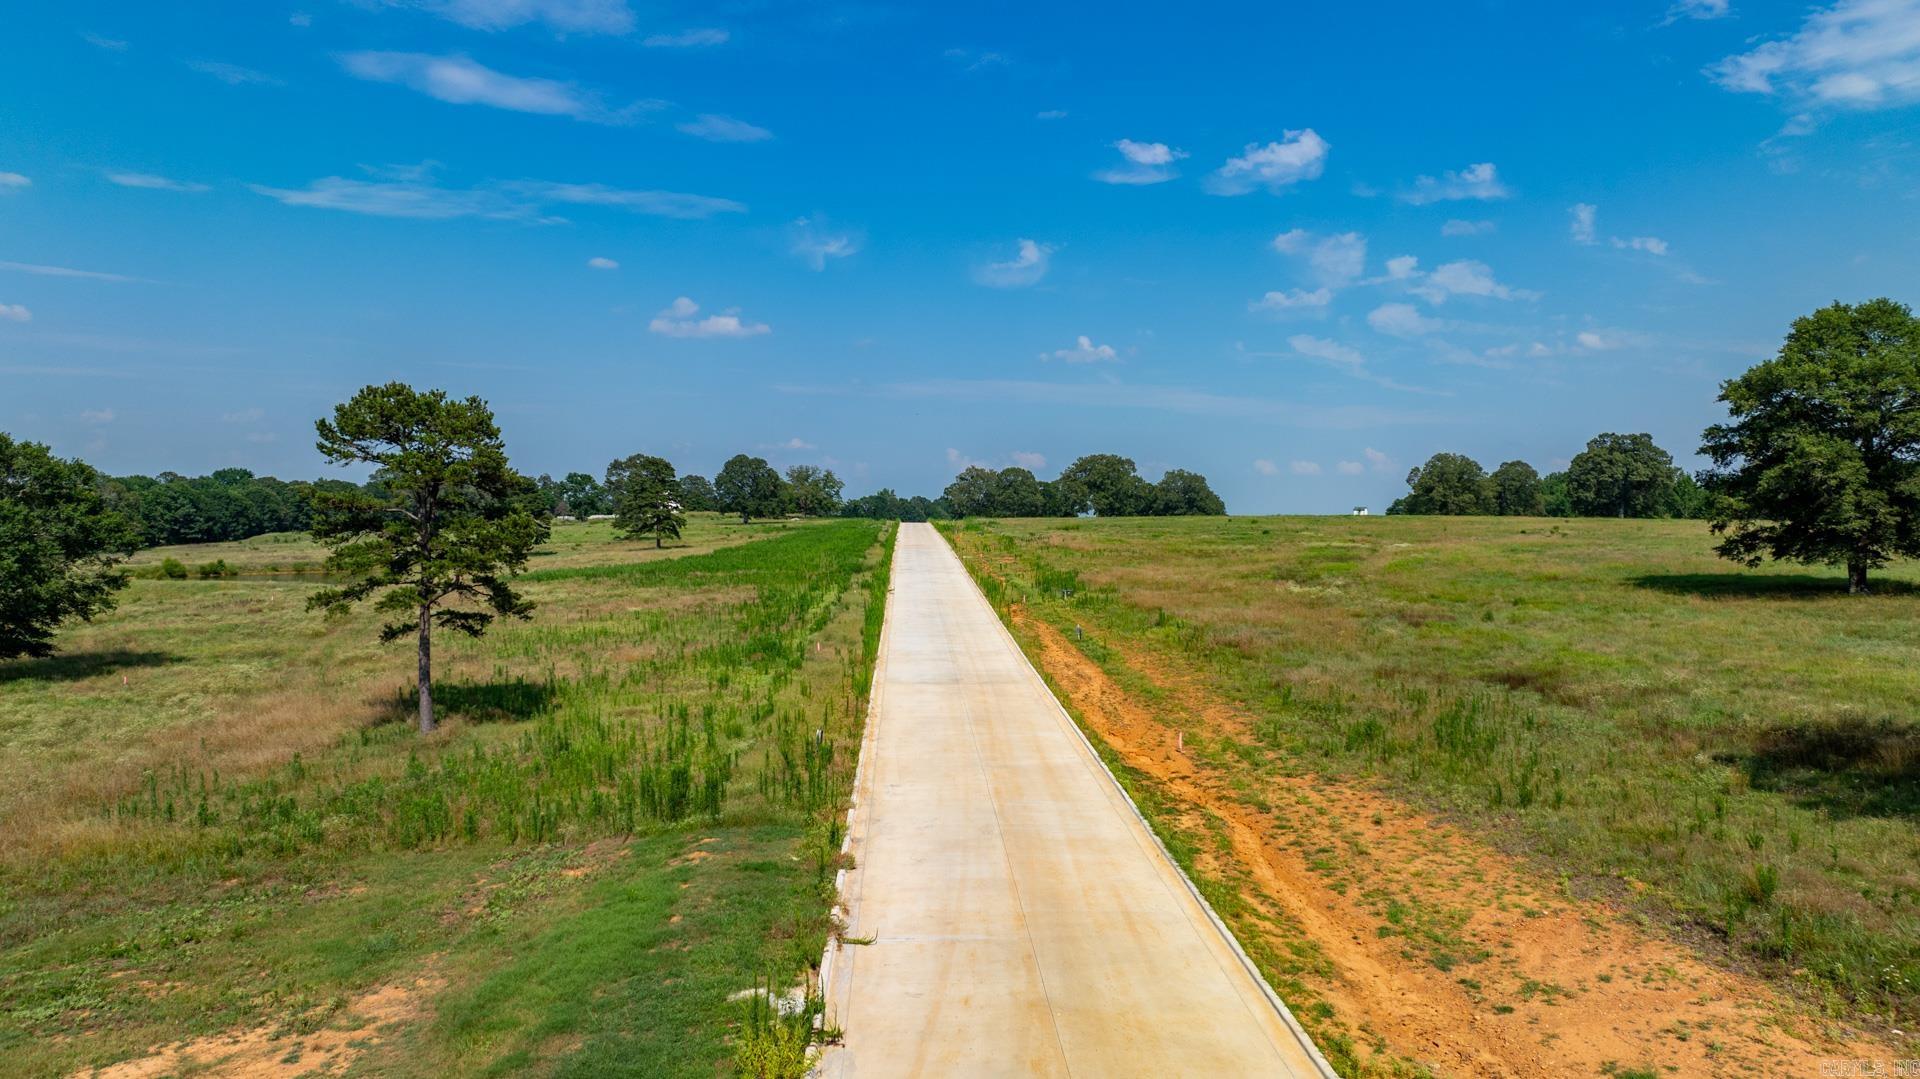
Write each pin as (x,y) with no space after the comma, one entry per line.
(426,669)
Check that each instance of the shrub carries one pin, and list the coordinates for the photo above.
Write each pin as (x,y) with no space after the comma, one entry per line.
(173,570)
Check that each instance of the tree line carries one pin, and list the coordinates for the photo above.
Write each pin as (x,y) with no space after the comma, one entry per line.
(747,486)
(234,504)
(229,504)
(1103,484)
(1615,476)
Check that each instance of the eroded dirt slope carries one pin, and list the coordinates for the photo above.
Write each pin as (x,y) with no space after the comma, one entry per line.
(1431,950)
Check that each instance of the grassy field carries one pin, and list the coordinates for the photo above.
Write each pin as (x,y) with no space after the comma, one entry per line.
(1732,754)
(218,824)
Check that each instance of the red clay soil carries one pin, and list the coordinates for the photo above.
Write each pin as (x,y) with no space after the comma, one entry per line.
(1440,953)
(269,1053)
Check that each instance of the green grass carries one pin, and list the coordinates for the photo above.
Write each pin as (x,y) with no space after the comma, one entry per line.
(221,821)
(1735,748)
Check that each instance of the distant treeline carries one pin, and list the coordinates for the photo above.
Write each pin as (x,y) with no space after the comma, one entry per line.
(230,504)
(233,503)
(1104,484)
(1615,476)
(745,485)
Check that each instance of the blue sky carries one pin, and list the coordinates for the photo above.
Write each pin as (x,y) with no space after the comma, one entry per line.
(1298,248)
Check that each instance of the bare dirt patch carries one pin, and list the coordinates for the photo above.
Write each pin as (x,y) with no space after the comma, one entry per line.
(274,1053)
(1441,951)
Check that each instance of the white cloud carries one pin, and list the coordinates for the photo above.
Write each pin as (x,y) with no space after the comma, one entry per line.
(97,415)
(1083,351)
(1027,267)
(62,271)
(796,443)
(1050,114)
(100,42)
(1854,54)
(1266,467)
(1466,278)
(13,312)
(1458,227)
(1652,245)
(714,127)
(651,203)
(565,16)
(1537,350)
(1401,320)
(973,60)
(1349,468)
(300,19)
(1304,468)
(815,240)
(1337,260)
(1698,9)
(601,262)
(1341,357)
(1345,359)
(151,182)
(1480,181)
(13,181)
(397,198)
(678,320)
(1331,351)
(688,39)
(1032,462)
(245,415)
(1299,155)
(1340,259)
(1581,225)
(1292,300)
(1146,163)
(1376,460)
(1403,268)
(1594,342)
(410,192)
(458,80)
(233,74)
(261,438)
(1148,153)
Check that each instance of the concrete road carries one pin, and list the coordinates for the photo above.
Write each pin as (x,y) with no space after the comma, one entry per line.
(1025,921)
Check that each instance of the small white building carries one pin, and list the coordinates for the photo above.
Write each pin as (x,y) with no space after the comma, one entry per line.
(1359,511)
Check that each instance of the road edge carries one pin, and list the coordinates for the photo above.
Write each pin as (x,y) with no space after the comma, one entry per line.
(846,899)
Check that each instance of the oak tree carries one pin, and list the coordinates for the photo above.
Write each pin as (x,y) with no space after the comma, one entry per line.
(1516,490)
(646,498)
(1820,460)
(1449,483)
(813,491)
(749,487)
(60,542)
(1621,476)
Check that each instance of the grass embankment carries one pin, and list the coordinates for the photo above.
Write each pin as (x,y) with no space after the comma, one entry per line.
(1721,749)
(221,825)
